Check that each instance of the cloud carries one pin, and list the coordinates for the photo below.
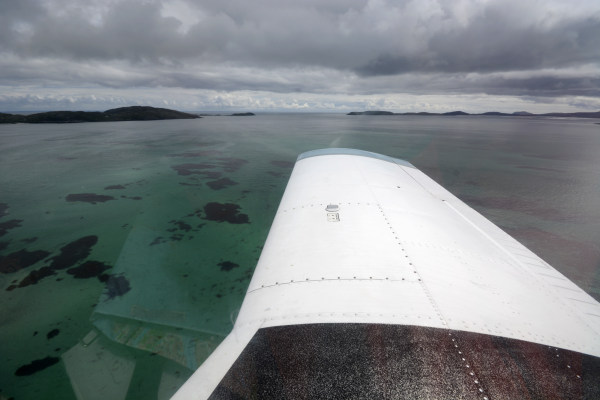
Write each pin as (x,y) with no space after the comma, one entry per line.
(345,47)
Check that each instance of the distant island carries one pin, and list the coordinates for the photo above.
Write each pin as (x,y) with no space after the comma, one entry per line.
(243,114)
(134,113)
(491,113)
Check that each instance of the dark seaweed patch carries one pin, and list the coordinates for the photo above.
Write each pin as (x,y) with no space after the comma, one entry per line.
(203,153)
(21,259)
(189,154)
(227,212)
(3,208)
(227,265)
(282,164)
(190,169)
(179,225)
(211,174)
(6,226)
(52,333)
(88,198)
(158,240)
(221,183)
(230,164)
(176,237)
(33,278)
(114,187)
(189,184)
(36,366)
(3,245)
(74,252)
(116,285)
(89,269)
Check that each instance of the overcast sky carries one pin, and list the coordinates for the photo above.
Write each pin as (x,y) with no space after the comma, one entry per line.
(313,55)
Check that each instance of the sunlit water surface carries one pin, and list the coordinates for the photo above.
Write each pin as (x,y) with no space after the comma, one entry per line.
(127,247)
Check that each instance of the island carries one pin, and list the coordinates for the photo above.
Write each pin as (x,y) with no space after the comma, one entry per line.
(240,114)
(490,113)
(371,113)
(133,113)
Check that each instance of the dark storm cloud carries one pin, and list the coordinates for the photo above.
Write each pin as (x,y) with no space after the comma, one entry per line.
(543,86)
(373,38)
(132,31)
(509,47)
(492,43)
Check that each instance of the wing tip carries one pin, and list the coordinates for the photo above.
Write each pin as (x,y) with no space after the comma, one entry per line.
(353,152)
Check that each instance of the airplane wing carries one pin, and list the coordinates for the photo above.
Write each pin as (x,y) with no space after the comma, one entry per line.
(376,282)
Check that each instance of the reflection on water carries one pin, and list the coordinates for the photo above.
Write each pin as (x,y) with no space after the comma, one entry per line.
(126,248)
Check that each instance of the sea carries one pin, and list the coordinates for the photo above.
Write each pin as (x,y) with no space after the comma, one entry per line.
(126,248)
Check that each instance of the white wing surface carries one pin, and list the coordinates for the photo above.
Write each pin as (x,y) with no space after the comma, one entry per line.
(363,244)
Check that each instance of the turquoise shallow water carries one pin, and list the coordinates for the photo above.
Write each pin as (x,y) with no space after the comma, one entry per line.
(127,247)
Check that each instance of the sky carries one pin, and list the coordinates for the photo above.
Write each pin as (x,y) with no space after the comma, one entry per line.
(301,55)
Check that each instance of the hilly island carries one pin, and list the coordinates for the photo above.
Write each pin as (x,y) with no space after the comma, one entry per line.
(491,113)
(134,113)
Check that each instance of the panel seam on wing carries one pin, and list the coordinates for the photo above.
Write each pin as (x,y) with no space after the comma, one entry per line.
(547,286)
(338,279)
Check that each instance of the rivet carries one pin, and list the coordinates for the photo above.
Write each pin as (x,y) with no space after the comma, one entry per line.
(476,381)
(481,390)
(578,376)
(338,277)
(471,373)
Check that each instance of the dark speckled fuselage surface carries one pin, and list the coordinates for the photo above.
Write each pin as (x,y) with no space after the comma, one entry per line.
(376,361)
